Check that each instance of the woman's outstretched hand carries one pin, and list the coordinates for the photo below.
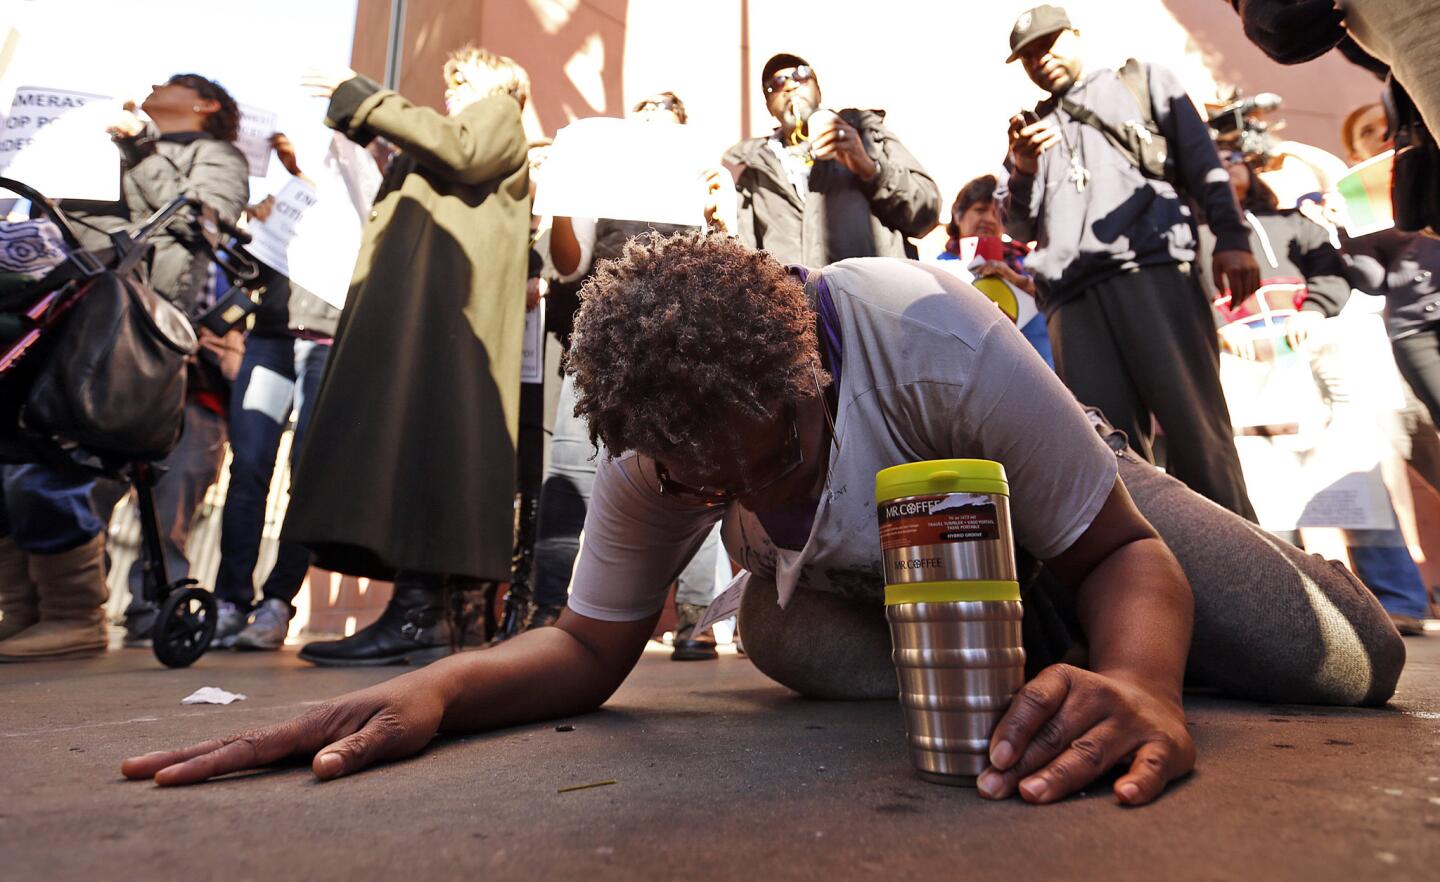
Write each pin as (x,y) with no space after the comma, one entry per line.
(385,722)
(1069,726)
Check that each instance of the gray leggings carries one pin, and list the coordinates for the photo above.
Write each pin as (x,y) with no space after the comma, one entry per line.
(1271,622)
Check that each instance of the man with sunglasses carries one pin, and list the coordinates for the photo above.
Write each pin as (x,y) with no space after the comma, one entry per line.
(844,187)
(1099,175)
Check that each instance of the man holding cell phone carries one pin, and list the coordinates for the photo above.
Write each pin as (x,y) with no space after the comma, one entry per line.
(1099,175)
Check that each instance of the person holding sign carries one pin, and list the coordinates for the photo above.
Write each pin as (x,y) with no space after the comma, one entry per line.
(825,186)
(976,215)
(408,470)
(58,522)
(186,146)
(733,390)
(285,355)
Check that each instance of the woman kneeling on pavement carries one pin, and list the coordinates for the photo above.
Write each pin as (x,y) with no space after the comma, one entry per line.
(767,398)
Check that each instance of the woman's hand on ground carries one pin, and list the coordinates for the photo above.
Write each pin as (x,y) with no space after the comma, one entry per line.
(385,722)
(1069,726)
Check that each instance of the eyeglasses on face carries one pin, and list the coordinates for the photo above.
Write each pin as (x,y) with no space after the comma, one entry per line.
(790,458)
(800,74)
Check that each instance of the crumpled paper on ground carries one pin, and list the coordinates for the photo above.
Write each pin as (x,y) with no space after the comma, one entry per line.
(211,695)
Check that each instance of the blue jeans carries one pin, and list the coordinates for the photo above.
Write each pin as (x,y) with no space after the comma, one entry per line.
(564,501)
(44,511)
(1038,334)
(277,374)
(1385,566)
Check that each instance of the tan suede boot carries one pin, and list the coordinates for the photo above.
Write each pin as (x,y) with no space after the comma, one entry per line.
(72,593)
(19,604)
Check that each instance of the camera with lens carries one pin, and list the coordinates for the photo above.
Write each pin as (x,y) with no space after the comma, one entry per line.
(1240,124)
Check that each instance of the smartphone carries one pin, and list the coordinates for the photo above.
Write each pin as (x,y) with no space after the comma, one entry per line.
(1029,117)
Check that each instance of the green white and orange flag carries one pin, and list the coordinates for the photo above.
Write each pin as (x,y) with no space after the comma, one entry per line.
(1365,195)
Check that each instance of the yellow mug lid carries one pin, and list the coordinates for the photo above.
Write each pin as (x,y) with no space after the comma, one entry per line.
(941,476)
(951,592)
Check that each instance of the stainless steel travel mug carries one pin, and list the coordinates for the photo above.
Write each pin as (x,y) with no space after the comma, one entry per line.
(953,603)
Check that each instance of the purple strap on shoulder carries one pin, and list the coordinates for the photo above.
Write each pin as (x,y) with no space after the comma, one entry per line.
(829,323)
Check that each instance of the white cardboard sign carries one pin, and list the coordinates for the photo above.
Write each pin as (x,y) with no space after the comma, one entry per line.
(313,234)
(727,604)
(257,127)
(55,141)
(594,165)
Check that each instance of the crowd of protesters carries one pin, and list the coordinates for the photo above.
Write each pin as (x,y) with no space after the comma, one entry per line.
(1108,235)
(732,384)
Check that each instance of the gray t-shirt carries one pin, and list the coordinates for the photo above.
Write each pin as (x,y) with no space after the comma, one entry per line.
(931,370)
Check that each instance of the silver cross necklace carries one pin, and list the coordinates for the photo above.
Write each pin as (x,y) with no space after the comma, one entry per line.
(1079,175)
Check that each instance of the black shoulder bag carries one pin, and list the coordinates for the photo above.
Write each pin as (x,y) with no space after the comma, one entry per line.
(1139,140)
(113,381)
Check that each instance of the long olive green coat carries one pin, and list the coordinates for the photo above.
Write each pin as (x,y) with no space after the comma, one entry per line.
(409,461)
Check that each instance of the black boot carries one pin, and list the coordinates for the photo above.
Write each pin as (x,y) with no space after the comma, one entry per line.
(415,627)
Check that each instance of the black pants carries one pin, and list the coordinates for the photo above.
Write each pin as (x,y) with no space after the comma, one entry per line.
(1140,345)
(1418,357)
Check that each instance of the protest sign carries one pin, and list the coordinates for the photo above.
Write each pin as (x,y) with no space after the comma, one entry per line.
(257,127)
(55,141)
(1310,424)
(272,238)
(313,232)
(1365,196)
(625,170)
(304,239)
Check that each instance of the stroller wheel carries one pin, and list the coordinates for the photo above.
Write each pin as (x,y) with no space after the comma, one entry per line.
(185,626)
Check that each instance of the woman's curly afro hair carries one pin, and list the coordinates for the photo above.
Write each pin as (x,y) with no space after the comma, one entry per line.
(681,335)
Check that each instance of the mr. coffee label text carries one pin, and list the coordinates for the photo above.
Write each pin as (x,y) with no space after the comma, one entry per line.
(932,520)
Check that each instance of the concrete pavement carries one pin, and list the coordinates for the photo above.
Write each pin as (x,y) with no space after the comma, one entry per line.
(719,774)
